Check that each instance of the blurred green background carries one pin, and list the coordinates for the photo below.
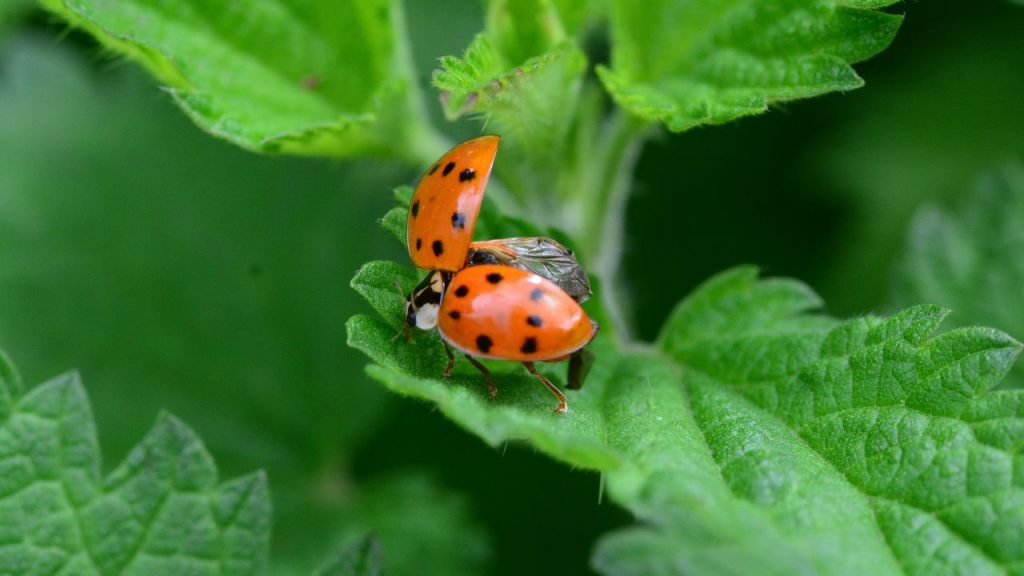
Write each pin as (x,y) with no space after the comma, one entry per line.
(177,272)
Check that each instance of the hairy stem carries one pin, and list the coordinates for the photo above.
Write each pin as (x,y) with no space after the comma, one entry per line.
(604,190)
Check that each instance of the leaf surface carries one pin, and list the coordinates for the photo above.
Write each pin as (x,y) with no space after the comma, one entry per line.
(362,557)
(971,259)
(161,511)
(320,77)
(759,436)
(687,63)
(522,75)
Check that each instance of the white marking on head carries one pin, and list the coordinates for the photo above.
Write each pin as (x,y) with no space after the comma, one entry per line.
(426,316)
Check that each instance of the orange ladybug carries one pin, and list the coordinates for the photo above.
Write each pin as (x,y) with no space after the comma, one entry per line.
(443,210)
(442,215)
(506,313)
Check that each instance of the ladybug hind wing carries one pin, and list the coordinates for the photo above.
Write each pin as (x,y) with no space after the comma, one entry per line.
(542,256)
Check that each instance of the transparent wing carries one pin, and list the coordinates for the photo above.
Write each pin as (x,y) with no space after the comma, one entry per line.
(542,256)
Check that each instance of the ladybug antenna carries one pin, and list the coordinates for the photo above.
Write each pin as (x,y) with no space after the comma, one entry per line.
(405,331)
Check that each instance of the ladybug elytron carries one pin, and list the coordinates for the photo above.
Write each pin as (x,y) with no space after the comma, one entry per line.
(512,299)
(443,210)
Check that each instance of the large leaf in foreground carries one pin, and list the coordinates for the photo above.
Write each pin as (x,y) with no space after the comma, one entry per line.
(972,259)
(759,438)
(315,77)
(872,420)
(687,63)
(162,511)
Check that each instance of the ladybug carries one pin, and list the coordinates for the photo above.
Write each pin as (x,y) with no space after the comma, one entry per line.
(424,307)
(442,215)
(505,313)
(443,210)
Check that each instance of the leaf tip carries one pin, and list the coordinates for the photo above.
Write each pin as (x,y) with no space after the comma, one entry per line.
(10,379)
(403,195)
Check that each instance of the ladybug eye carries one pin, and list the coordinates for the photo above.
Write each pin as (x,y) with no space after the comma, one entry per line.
(410,314)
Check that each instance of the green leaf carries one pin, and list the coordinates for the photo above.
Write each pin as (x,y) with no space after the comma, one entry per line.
(10,385)
(421,524)
(521,75)
(971,258)
(413,519)
(759,437)
(317,77)
(521,39)
(161,511)
(395,222)
(360,558)
(688,63)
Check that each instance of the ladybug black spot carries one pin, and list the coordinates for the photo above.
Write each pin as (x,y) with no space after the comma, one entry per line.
(455,315)
(536,294)
(415,209)
(458,220)
(438,247)
(494,278)
(534,320)
(448,169)
(483,343)
(433,169)
(529,345)
(467,175)
(419,243)
(461,291)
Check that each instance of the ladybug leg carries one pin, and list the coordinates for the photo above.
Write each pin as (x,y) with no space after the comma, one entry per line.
(562,406)
(580,362)
(487,374)
(451,360)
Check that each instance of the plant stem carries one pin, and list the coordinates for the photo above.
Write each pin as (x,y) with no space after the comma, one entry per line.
(606,183)
(423,142)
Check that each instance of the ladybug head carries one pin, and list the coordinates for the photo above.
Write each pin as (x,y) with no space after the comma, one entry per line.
(422,304)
